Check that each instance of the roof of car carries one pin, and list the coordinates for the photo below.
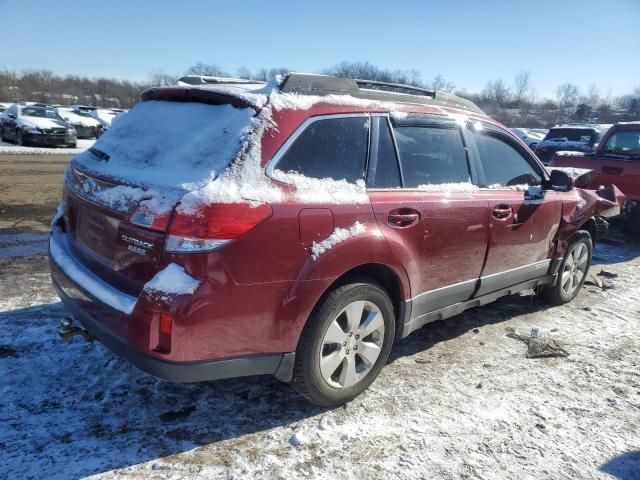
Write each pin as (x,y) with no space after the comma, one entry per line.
(324,85)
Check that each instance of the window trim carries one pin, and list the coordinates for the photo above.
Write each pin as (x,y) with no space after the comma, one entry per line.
(377,120)
(510,140)
(284,148)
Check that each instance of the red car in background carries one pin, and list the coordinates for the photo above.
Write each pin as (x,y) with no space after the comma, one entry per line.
(616,160)
(300,228)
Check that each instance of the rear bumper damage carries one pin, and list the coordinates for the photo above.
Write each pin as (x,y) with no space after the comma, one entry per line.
(110,325)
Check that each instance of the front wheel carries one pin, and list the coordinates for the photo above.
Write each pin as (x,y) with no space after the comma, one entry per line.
(345,344)
(573,270)
(19,138)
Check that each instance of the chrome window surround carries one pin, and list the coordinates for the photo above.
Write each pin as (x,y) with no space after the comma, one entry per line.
(273,163)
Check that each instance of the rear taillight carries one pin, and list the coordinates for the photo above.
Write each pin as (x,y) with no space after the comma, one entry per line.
(213,226)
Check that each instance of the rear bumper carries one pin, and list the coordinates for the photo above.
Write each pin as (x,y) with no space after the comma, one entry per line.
(110,326)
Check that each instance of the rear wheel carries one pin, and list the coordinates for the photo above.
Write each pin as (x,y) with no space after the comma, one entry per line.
(572,272)
(345,344)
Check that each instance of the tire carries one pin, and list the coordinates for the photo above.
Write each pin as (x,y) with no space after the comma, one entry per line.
(570,269)
(19,138)
(321,339)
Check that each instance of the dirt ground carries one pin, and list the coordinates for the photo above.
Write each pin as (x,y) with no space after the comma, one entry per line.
(458,399)
(30,188)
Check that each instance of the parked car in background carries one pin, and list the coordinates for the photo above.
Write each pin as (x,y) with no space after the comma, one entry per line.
(84,123)
(3,107)
(575,138)
(35,125)
(334,191)
(529,136)
(616,160)
(105,116)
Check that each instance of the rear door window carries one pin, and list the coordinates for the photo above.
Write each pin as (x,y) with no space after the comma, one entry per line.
(502,163)
(431,155)
(625,143)
(333,148)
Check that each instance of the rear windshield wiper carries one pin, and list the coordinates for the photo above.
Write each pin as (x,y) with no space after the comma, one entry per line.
(99,154)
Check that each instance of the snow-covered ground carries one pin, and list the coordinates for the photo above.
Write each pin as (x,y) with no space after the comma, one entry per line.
(11,148)
(458,399)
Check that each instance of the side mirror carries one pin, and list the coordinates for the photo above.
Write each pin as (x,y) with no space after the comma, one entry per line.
(561,181)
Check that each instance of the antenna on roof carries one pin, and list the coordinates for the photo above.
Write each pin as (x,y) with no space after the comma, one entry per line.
(395,87)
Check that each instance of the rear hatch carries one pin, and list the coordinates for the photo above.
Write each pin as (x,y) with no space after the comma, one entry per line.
(120,194)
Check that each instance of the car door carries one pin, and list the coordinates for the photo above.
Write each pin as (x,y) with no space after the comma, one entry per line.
(523,226)
(420,187)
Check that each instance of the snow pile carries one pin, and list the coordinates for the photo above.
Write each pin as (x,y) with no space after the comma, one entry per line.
(13,149)
(337,236)
(173,280)
(447,189)
(170,143)
(573,172)
(570,153)
(518,188)
(98,288)
(325,190)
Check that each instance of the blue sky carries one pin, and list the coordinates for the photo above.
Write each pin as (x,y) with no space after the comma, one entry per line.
(469,42)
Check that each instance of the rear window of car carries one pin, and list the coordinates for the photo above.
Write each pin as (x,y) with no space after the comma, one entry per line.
(431,156)
(334,148)
(573,135)
(170,143)
(624,143)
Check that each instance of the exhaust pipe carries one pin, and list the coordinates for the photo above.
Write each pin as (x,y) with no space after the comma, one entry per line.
(67,331)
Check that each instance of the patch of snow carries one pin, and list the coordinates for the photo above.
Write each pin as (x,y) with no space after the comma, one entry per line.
(172,144)
(325,190)
(570,153)
(397,115)
(173,280)
(80,275)
(12,149)
(535,192)
(13,245)
(518,188)
(337,236)
(573,172)
(447,189)
(70,115)
(58,215)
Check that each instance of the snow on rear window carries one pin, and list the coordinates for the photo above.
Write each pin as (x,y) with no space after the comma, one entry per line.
(170,143)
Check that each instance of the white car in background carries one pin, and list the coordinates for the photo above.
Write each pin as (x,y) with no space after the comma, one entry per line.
(530,136)
(84,123)
(106,116)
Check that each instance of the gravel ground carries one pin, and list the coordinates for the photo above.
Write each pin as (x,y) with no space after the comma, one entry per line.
(458,399)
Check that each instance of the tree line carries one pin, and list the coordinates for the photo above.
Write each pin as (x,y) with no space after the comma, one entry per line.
(513,103)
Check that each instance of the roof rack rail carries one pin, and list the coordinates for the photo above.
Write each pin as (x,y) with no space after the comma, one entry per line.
(395,87)
(209,80)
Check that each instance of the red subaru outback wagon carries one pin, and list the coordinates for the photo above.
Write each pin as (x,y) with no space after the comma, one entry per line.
(224,228)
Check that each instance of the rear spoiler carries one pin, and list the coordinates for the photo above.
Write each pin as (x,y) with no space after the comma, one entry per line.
(212,96)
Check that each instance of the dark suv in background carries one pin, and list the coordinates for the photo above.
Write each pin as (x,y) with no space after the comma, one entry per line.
(570,138)
(300,228)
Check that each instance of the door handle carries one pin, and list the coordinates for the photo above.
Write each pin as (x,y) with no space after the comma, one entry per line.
(612,170)
(403,217)
(502,211)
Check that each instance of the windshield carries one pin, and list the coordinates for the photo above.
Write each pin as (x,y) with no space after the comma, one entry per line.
(573,135)
(40,113)
(170,143)
(624,143)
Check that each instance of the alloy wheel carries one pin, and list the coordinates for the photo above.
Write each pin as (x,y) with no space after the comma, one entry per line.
(351,344)
(574,268)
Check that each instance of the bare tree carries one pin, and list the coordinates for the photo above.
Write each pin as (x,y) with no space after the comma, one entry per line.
(497,91)
(522,86)
(160,78)
(567,95)
(206,69)
(593,95)
(440,83)
(243,72)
